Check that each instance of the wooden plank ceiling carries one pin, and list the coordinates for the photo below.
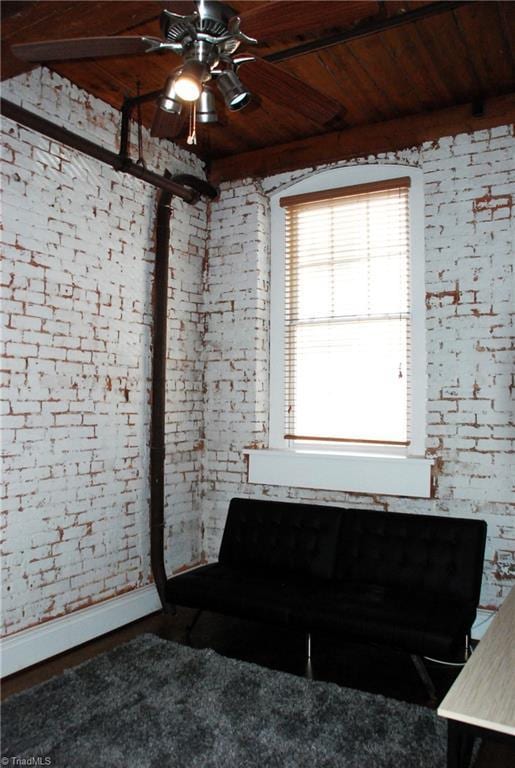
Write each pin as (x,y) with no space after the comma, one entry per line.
(448,66)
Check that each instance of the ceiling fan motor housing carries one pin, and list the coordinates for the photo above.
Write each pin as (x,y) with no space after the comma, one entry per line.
(211,18)
(205,53)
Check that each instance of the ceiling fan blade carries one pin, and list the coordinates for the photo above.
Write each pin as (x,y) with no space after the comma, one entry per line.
(167,125)
(269,80)
(273,20)
(82,48)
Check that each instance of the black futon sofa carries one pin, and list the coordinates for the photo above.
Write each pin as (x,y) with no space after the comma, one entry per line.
(408,581)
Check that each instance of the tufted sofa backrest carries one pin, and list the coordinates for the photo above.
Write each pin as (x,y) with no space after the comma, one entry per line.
(419,553)
(281,538)
(440,555)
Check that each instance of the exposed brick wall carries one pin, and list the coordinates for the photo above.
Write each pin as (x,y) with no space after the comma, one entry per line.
(77,278)
(469,186)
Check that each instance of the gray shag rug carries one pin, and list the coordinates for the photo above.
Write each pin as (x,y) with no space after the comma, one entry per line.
(155,704)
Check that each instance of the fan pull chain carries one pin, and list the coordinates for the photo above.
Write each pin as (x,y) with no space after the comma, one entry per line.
(192,137)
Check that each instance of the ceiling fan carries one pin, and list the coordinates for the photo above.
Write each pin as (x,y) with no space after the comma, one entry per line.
(209,42)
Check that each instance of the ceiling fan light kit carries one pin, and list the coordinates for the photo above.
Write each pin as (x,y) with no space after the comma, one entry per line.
(207,40)
(236,96)
(169,101)
(188,83)
(206,108)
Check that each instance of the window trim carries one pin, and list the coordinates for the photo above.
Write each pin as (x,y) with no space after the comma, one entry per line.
(385,470)
(354,473)
(320,182)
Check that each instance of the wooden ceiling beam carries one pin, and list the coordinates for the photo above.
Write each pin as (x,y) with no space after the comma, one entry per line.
(363,140)
(366,28)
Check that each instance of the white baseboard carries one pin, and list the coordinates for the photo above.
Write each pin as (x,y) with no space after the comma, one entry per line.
(45,640)
(481,623)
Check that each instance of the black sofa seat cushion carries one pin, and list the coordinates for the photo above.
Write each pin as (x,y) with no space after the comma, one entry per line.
(433,625)
(246,594)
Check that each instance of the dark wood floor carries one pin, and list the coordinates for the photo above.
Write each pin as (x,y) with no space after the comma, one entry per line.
(367,668)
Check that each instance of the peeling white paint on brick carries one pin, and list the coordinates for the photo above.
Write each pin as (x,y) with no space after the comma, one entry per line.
(469,189)
(78,250)
(77,284)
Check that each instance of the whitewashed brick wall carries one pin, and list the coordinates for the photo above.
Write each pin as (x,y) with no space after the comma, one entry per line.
(469,191)
(77,244)
(77,279)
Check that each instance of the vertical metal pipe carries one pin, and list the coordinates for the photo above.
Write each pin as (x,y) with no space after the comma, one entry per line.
(124,134)
(190,191)
(158,402)
(197,188)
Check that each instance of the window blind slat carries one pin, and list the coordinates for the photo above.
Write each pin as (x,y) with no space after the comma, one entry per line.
(356,189)
(347,320)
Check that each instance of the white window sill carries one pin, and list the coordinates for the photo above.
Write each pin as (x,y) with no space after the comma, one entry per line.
(388,475)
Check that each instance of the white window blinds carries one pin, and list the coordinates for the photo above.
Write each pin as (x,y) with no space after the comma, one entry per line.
(347,315)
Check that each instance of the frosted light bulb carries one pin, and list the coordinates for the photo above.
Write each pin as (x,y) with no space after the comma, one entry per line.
(187,88)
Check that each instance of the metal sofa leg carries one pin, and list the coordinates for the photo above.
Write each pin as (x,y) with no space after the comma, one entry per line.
(424,676)
(468,649)
(309,669)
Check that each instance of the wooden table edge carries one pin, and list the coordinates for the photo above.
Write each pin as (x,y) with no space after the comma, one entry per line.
(490,725)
